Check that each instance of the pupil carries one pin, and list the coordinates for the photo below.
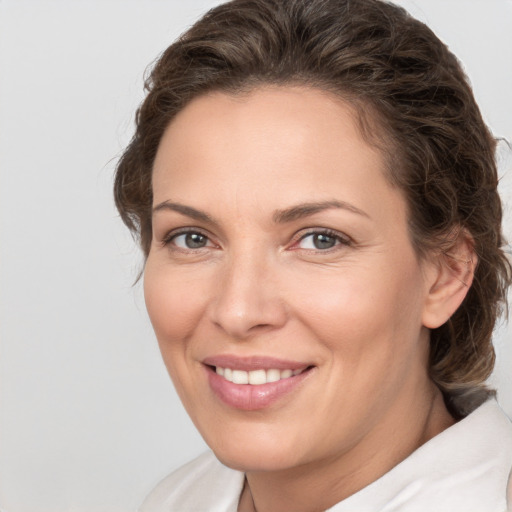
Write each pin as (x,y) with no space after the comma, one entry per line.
(195,240)
(322,241)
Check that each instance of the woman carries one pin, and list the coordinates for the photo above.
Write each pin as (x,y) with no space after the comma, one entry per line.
(314,190)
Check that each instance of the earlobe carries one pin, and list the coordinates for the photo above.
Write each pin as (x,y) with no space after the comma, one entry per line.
(451,274)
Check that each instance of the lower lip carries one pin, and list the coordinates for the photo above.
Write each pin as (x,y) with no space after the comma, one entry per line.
(249,397)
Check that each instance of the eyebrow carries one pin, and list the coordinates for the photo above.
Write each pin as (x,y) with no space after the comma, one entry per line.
(188,211)
(279,217)
(307,209)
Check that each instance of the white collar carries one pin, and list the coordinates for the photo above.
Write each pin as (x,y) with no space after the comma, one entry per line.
(464,468)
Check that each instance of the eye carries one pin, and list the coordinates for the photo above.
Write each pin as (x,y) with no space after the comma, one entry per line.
(321,240)
(189,240)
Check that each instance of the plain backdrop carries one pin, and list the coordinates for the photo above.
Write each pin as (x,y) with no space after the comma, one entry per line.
(89,419)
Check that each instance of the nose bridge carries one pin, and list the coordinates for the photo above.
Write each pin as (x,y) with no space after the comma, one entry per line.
(247,298)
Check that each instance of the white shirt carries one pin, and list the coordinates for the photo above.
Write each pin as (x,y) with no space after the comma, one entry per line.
(463,469)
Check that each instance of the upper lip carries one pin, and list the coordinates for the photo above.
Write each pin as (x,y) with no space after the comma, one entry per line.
(253,363)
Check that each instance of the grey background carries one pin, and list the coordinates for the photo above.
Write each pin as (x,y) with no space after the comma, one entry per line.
(89,420)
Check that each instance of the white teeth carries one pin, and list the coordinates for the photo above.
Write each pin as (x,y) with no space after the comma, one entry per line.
(240,377)
(286,374)
(273,375)
(255,377)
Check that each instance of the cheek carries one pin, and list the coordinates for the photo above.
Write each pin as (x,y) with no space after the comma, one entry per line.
(362,312)
(175,304)
(336,304)
(370,327)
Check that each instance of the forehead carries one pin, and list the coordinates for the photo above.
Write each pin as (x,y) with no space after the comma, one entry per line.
(293,141)
(272,120)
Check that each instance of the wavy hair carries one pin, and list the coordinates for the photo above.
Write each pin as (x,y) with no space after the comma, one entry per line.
(413,101)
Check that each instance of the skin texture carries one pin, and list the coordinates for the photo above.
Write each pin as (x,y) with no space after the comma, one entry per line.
(357,312)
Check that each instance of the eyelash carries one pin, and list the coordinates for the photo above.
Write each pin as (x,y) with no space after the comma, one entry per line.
(172,235)
(341,240)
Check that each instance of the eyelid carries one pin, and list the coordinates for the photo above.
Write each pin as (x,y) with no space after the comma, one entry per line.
(344,240)
(174,233)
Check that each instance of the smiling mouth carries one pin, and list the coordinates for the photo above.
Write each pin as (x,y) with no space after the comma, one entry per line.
(254,383)
(256,377)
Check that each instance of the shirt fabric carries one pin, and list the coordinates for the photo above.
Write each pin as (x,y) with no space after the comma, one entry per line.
(463,469)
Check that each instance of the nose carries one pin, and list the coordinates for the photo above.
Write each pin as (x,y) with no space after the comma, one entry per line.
(247,298)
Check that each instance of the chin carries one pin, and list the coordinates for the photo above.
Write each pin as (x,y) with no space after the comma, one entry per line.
(255,460)
(256,453)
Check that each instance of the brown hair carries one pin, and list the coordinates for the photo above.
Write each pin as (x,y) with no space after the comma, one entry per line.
(396,72)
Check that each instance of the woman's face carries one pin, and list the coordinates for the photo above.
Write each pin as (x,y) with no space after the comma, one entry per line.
(281,256)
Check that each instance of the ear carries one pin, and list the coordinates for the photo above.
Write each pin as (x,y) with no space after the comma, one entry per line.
(450,276)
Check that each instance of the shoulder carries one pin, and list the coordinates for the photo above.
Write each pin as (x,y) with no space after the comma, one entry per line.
(466,467)
(202,485)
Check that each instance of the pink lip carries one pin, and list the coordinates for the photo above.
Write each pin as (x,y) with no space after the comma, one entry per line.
(245,396)
(253,363)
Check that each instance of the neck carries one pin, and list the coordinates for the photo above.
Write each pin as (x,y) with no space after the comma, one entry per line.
(320,485)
